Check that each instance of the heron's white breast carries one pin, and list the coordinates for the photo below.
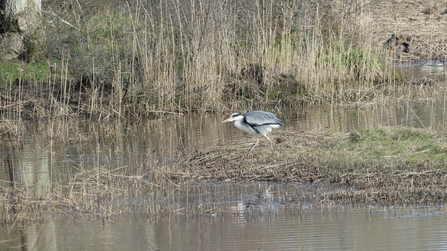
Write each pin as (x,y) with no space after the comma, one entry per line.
(244,128)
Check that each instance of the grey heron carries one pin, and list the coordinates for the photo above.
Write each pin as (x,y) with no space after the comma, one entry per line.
(256,122)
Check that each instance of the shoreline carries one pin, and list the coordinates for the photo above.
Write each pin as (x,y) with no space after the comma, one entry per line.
(335,159)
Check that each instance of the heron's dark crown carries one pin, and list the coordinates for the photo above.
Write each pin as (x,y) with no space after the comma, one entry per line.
(234,115)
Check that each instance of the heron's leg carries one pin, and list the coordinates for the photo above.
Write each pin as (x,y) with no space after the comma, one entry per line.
(257,142)
(271,143)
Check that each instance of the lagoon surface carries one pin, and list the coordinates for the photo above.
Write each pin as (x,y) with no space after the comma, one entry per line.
(96,186)
(283,229)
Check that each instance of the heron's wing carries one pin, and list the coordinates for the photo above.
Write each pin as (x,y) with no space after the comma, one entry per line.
(258,118)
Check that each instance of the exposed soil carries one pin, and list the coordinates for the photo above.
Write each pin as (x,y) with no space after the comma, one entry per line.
(298,159)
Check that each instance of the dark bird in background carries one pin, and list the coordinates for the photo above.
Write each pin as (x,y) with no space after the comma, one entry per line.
(405,47)
(256,122)
(397,43)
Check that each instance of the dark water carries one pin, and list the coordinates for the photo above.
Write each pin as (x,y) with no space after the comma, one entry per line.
(269,225)
(241,223)
(424,71)
(73,163)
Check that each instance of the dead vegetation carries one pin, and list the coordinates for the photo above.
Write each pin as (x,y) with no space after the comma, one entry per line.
(134,58)
(421,21)
(326,159)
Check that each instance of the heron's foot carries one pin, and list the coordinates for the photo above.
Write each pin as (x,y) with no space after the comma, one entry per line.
(250,153)
(273,150)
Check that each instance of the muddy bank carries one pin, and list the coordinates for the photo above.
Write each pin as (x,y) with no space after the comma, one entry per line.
(390,165)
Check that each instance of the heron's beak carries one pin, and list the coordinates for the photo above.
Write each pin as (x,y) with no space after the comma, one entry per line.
(228,120)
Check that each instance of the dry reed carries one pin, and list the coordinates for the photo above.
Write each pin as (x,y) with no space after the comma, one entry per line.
(117,59)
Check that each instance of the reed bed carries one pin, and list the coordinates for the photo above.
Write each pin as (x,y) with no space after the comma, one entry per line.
(93,192)
(120,59)
(102,170)
(47,174)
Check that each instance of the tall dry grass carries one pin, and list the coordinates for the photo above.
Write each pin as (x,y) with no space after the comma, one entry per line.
(115,58)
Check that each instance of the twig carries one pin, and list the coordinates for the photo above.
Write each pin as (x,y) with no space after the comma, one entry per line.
(65,22)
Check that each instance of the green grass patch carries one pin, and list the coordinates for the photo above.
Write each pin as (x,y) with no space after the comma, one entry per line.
(410,144)
(10,72)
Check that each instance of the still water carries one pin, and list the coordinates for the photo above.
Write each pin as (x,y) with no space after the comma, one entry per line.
(55,158)
(270,227)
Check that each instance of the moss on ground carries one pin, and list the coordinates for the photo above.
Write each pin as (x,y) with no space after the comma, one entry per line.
(11,72)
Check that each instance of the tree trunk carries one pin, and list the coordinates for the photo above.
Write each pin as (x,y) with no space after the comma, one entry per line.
(19,20)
